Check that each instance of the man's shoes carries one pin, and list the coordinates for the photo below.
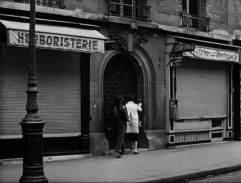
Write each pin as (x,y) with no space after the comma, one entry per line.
(136,152)
(117,155)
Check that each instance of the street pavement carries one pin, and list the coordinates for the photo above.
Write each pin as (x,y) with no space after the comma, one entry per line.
(165,165)
(232,177)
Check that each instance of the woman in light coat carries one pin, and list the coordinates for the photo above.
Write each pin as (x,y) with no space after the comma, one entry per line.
(133,123)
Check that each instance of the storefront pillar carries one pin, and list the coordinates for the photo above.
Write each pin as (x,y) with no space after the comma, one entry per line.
(236,101)
(32,125)
(85,102)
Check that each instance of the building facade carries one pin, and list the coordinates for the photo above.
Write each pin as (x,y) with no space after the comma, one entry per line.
(179,57)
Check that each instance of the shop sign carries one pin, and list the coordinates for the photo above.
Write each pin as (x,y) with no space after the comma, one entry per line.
(56,41)
(213,54)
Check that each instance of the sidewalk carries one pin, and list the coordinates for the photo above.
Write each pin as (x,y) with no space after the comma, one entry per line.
(165,165)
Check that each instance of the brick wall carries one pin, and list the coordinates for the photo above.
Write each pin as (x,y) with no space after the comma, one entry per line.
(173,7)
(237,11)
(217,10)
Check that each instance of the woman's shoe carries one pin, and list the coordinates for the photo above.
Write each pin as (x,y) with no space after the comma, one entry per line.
(117,155)
(136,152)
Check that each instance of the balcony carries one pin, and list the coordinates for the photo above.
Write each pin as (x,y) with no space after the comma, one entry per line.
(195,22)
(48,3)
(129,9)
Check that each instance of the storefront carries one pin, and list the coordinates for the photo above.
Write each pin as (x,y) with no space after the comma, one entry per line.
(201,97)
(60,56)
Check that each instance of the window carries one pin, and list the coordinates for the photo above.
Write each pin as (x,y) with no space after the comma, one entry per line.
(184,6)
(194,14)
(134,9)
(48,3)
(194,7)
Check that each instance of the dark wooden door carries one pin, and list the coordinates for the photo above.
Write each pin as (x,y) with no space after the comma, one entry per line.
(119,78)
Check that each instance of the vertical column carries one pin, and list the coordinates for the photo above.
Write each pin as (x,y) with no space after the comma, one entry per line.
(85,102)
(32,125)
(236,101)
(121,8)
(187,5)
(169,67)
(188,15)
(133,8)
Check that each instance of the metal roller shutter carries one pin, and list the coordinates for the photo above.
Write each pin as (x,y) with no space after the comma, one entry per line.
(58,76)
(202,89)
(12,89)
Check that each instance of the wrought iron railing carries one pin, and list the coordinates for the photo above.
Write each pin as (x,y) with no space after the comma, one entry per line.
(48,3)
(122,8)
(195,22)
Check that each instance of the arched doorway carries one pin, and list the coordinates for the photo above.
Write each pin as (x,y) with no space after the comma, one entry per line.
(121,76)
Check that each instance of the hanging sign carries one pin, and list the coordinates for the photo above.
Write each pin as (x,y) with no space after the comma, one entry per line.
(177,61)
(213,54)
(180,48)
(56,41)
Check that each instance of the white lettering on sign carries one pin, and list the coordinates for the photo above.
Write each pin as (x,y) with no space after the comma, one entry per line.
(53,41)
(213,54)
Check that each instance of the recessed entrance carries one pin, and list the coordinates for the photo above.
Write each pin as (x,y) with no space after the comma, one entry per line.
(121,77)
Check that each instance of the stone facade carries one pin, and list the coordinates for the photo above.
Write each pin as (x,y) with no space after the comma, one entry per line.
(217,11)
(237,13)
(145,47)
(169,6)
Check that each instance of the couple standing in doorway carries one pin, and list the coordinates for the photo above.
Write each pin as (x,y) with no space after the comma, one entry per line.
(126,121)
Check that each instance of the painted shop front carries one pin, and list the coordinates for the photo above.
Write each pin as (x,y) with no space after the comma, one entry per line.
(63,57)
(201,92)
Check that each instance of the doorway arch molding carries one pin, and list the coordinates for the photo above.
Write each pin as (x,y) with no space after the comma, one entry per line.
(143,63)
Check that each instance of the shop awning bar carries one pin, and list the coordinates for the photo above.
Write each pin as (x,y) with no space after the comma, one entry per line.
(55,37)
(203,42)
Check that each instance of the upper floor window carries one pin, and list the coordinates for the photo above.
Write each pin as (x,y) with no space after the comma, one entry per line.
(194,7)
(134,9)
(48,3)
(194,14)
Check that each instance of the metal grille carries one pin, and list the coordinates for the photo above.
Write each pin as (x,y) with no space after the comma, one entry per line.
(191,137)
(119,78)
(195,22)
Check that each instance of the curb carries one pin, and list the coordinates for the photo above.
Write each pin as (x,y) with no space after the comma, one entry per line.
(197,175)
(46,159)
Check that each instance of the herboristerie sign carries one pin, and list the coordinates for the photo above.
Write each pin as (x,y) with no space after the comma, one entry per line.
(20,38)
